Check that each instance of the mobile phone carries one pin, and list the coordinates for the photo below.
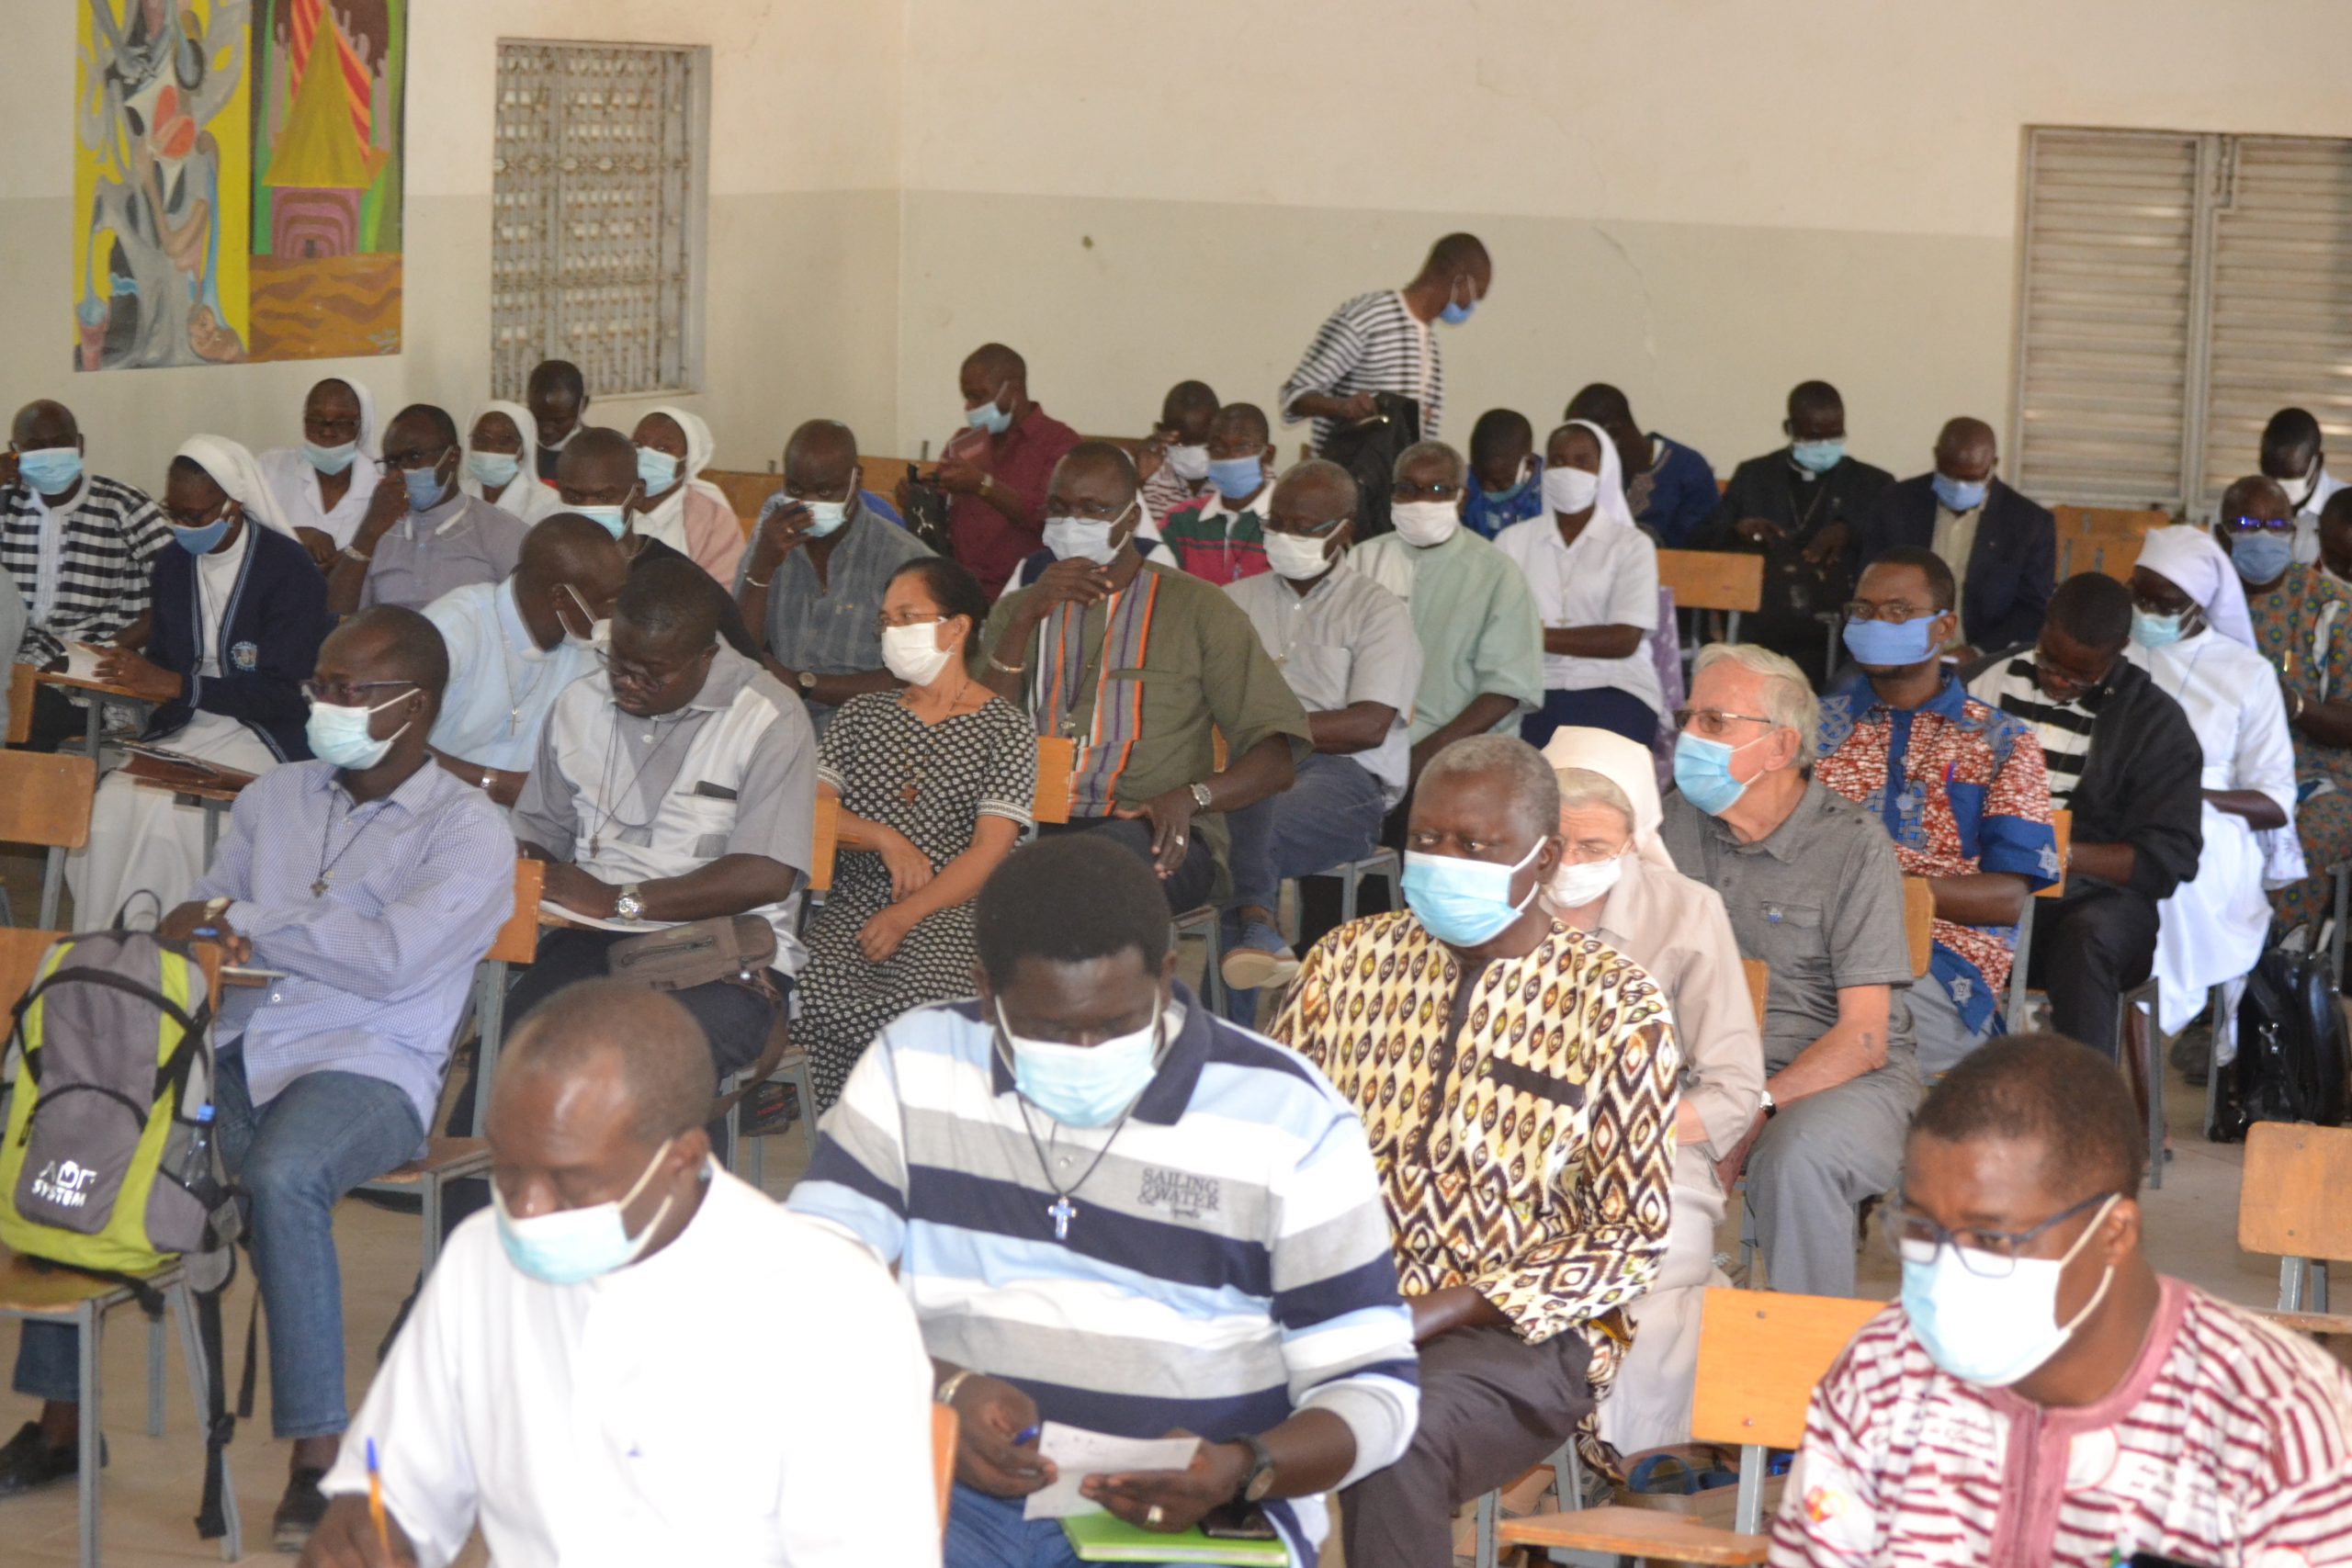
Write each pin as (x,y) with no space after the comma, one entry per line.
(1238,1521)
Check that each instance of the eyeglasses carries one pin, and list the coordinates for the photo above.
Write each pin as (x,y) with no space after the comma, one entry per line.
(637,674)
(1712,724)
(1988,1255)
(1403,490)
(1092,510)
(2258,524)
(1300,526)
(204,519)
(345,693)
(414,457)
(1857,611)
(344,428)
(885,622)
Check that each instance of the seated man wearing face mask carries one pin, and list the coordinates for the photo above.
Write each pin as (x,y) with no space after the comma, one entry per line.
(1957,783)
(1175,463)
(514,646)
(423,536)
(239,612)
(1346,647)
(2040,1393)
(1481,636)
(1114,1211)
(1810,885)
(599,481)
(1221,537)
(1505,473)
(2002,547)
(819,628)
(2291,456)
(1142,666)
(1515,1077)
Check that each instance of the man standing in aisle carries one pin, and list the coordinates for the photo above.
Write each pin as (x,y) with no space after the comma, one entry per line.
(1381,342)
(996,468)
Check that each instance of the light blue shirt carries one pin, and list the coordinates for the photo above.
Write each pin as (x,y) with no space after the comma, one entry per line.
(502,684)
(377,965)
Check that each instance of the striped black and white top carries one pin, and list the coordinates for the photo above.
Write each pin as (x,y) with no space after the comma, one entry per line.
(82,564)
(2063,728)
(1372,344)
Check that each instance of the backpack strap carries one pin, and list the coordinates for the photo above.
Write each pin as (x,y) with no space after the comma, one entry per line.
(220,1427)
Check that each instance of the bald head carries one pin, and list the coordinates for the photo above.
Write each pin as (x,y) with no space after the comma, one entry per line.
(1102,464)
(999,363)
(43,423)
(598,460)
(567,547)
(2257,496)
(392,644)
(824,441)
(1317,491)
(599,1036)
(1965,450)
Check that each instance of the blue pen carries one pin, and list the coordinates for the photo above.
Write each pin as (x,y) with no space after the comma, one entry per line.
(1022,1439)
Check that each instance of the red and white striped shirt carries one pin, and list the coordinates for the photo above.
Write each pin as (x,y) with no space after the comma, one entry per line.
(2229,1444)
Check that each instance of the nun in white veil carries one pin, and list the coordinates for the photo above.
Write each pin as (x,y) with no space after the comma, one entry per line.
(1617,881)
(2191,634)
(503,464)
(681,508)
(140,839)
(1594,576)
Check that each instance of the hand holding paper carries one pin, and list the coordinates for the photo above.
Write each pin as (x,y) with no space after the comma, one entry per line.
(1078,1453)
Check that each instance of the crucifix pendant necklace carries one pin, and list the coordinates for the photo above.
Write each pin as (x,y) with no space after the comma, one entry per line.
(326,866)
(1061,1211)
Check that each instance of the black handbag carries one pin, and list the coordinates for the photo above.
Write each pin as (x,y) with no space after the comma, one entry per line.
(1368,449)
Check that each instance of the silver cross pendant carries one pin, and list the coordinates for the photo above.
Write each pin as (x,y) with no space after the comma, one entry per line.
(1063,1211)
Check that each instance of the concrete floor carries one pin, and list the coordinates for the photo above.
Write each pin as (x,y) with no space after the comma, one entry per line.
(152,1485)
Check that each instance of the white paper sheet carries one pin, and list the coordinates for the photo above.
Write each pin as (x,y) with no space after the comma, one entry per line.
(1078,1453)
(81,661)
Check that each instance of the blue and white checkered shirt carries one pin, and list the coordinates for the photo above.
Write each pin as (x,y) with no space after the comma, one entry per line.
(377,965)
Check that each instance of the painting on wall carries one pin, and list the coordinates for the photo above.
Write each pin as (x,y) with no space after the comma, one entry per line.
(237,180)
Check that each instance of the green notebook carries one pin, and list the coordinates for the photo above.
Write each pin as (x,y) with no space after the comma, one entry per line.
(1103,1538)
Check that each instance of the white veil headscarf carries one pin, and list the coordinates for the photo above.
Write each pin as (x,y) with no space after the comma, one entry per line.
(1609,505)
(667,521)
(367,437)
(528,461)
(1630,767)
(233,468)
(2188,557)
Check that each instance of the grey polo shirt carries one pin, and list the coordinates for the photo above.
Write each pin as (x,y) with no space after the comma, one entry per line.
(629,799)
(830,628)
(1819,899)
(464,540)
(1345,641)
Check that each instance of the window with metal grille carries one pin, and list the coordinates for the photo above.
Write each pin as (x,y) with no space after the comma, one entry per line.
(596,214)
(2175,291)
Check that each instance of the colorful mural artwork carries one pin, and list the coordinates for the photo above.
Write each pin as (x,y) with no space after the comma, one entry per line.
(237,179)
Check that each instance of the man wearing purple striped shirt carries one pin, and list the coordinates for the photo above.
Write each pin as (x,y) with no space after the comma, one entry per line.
(372,883)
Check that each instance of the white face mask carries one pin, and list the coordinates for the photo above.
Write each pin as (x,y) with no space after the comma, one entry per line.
(1425,522)
(1570,491)
(1573,885)
(600,633)
(1297,557)
(913,652)
(1994,1333)
(1190,463)
(1083,537)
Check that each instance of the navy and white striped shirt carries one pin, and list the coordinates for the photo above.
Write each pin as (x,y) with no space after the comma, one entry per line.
(1229,1263)
(1372,344)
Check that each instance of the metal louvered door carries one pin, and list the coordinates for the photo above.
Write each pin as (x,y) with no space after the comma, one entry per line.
(2108,341)
(2281,292)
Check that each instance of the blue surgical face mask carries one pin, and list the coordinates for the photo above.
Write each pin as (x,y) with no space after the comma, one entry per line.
(493,468)
(331,459)
(204,540)
(1888,643)
(424,487)
(990,417)
(339,734)
(572,1247)
(1702,773)
(1464,902)
(51,470)
(1458,312)
(659,470)
(1237,477)
(1085,1086)
(1518,487)
(2152,630)
(1956,495)
(1994,1333)
(613,519)
(2263,555)
(1818,457)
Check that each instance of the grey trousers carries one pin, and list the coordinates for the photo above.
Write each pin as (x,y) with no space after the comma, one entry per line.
(1942,1038)
(1815,1163)
(1492,1407)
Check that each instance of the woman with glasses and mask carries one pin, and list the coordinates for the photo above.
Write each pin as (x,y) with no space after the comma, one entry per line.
(2190,633)
(934,782)
(239,614)
(1616,880)
(2302,624)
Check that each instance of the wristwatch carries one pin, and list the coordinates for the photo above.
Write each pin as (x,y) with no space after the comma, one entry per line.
(808,681)
(1260,1477)
(1770,1107)
(1200,795)
(631,905)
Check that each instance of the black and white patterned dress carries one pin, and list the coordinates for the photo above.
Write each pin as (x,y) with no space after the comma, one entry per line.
(876,754)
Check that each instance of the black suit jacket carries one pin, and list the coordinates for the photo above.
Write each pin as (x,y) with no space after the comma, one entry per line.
(2006,584)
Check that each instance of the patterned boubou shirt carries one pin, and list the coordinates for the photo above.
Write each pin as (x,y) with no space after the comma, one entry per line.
(1527,1153)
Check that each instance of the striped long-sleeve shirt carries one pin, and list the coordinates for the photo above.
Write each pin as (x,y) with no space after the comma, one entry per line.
(1225,1261)
(1372,344)
(82,565)
(2229,1443)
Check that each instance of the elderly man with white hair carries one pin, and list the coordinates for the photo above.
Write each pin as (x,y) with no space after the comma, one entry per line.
(1616,881)
(1812,888)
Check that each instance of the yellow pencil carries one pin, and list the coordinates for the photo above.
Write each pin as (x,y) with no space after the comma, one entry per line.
(376,1501)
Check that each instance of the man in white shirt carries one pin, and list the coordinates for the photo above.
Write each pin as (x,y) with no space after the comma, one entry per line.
(2291,455)
(514,646)
(584,1376)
